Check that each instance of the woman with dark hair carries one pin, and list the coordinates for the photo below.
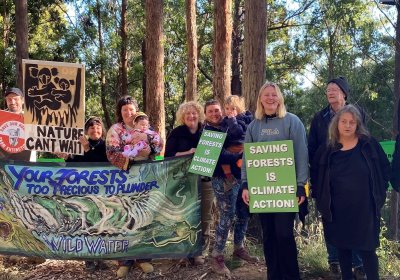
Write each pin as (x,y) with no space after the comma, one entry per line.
(94,148)
(350,176)
(273,123)
(119,135)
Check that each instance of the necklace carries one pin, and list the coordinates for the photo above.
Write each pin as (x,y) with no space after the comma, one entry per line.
(94,145)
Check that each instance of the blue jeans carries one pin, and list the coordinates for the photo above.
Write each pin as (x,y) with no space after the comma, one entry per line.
(228,205)
(333,256)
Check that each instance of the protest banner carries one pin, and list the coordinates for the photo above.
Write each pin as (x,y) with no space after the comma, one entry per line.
(207,152)
(54,106)
(271,176)
(96,211)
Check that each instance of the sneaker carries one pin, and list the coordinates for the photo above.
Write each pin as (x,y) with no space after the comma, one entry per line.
(359,273)
(90,265)
(242,254)
(101,265)
(35,260)
(199,260)
(334,269)
(218,265)
(145,267)
(123,271)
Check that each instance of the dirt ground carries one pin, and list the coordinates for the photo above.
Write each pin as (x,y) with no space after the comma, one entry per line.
(163,269)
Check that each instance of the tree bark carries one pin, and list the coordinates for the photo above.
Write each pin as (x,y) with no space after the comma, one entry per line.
(102,77)
(21,29)
(222,49)
(237,34)
(6,31)
(394,197)
(191,37)
(124,44)
(155,65)
(254,57)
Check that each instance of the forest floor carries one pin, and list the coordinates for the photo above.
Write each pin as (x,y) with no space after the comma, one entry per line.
(163,269)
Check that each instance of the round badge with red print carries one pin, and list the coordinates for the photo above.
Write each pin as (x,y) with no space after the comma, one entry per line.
(12,133)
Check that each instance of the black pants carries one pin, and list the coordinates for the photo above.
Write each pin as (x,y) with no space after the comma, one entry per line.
(370,261)
(279,246)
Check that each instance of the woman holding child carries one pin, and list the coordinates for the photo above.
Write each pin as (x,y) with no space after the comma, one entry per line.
(120,137)
(273,123)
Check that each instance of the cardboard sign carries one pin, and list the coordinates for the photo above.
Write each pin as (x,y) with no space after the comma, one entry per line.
(207,152)
(12,132)
(54,106)
(271,176)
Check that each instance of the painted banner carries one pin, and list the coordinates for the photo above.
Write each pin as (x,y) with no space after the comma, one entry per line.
(12,135)
(271,176)
(77,211)
(207,152)
(54,106)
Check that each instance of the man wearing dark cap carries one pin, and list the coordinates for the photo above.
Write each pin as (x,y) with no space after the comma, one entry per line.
(14,100)
(337,92)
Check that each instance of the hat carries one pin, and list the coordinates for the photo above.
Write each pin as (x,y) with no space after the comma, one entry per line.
(140,114)
(342,83)
(92,120)
(15,90)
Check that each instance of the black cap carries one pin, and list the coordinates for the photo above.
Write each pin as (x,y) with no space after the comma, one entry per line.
(15,90)
(342,83)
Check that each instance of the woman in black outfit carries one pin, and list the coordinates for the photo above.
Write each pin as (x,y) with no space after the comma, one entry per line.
(350,175)
(94,148)
(183,140)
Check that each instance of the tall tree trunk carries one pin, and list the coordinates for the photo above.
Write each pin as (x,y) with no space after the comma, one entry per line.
(102,77)
(6,31)
(394,197)
(222,50)
(124,44)
(155,65)
(254,57)
(144,78)
(191,37)
(21,29)
(237,33)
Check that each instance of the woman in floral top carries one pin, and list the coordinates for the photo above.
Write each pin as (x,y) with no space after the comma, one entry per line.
(119,135)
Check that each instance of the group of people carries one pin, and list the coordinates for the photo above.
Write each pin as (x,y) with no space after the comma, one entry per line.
(349,175)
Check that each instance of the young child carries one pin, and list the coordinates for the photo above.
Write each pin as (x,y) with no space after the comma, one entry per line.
(142,139)
(235,124)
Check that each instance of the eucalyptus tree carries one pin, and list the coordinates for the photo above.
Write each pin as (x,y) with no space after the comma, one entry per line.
(222,49)
(255,29)
(155,65)
(21,27)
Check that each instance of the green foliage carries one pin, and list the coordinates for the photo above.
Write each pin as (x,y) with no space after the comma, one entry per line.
(388,254)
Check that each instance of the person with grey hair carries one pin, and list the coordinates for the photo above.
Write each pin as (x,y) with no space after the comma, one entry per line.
(337,94)
(350,177)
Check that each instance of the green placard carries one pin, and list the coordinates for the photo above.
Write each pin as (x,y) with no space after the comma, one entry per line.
(388,148)
(271,176)
(207,152)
